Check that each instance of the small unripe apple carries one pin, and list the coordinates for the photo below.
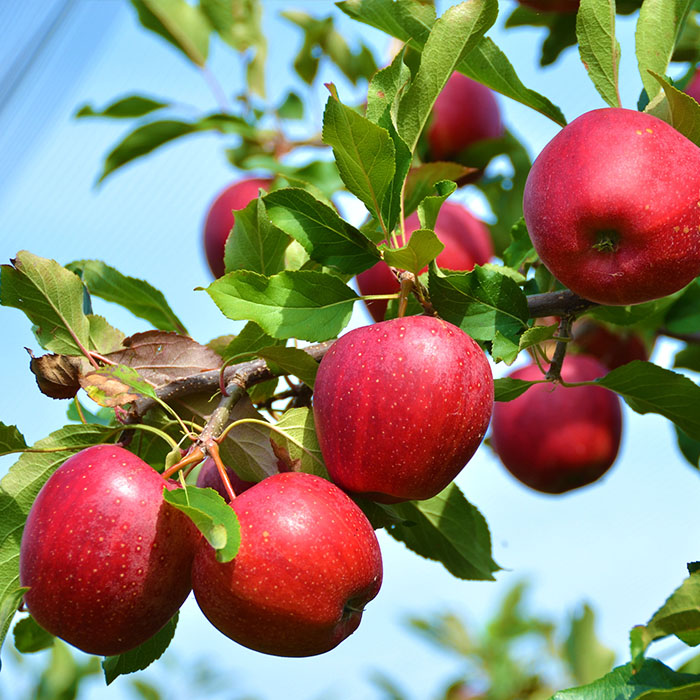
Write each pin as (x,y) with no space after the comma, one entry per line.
(401,406)
(467,243)
(220,219)
(465,113)
(612,205)
(552,5)
(693,87)
(308,563)
(106,560)
(208,477)
(555,438)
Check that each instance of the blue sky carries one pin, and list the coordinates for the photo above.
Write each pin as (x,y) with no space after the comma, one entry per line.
(621,544)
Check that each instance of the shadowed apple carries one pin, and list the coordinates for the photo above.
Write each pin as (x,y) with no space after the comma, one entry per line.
(554,438)
(220,219)
(467,243)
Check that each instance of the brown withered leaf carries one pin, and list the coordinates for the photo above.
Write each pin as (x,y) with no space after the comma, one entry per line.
(58,376)
(105,390)
(160,357)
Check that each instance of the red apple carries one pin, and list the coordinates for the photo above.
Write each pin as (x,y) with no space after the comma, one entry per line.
(208,477)
(467,243)
(308,564)
(107,561)
(693,87)
(220,218)
(611,348)
(552,5)
(465,113)
(555,438)
(401,406)
(612,205)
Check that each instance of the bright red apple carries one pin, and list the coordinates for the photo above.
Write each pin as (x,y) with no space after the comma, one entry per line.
(693,87)
(308,564)
(401,406)
(612,205)
(467,243)
(220,218)
(208,477)
(555,438)
(465,113)
(106,560)
(552,5)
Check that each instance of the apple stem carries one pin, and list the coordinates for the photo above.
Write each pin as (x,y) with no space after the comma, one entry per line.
(563,337)
(213,450)
(193,457)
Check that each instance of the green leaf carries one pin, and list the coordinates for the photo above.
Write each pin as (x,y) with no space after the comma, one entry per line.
(451,38)
(255,244)
(685,111)
(326,237)
(142,656)
(214,518)
(293,361)
(298,424)
(683,315)
(481,302)
(504,349)
(421,181)
(183,25)
(423,247)
(521,249)
(507,388)
(129,107)
(587,658)
(18,491)
(103,337)
(486,63)
(689,448)
(103,416)
(648,388)
(658,29)
(385,88)
(142,141)
(449,529)
(688,358)
(292,107)
(251,339)
(11,440)
(679,615)
(653,681)
(30,637)
(598,47)
(537,334)
(136,295)
(364,152)
(429,208)
(52,298)
(299,304)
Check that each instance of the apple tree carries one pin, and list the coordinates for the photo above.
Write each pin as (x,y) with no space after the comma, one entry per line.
(254,468)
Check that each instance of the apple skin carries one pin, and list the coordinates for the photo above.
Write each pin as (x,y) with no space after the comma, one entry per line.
(220,220)
(554,438)
(208,477)
(612,207)
(107,561)
(611,349)
(693,87)
(552,5)
(464,113)
(467,243)
(309,562)
(401,406)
